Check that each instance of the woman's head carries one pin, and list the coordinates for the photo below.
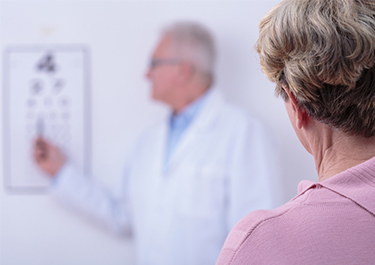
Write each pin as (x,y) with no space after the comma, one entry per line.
(323,51)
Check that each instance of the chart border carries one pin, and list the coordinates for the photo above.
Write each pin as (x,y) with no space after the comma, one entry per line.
(6,111)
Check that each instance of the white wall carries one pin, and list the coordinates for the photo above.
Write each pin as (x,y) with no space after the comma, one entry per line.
(121,34)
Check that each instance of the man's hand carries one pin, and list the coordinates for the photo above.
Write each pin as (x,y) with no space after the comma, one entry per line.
(48,157)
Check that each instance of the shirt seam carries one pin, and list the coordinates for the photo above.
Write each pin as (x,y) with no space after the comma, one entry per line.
(247,236)
(265,220)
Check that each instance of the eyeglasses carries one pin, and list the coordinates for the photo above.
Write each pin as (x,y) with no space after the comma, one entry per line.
(157,62)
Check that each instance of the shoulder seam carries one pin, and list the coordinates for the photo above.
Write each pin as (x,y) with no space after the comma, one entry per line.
(258,224)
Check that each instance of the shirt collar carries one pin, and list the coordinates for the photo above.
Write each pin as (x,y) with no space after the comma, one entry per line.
(187,115)
(356,183)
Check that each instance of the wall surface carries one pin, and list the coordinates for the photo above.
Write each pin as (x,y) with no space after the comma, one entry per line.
(120,36)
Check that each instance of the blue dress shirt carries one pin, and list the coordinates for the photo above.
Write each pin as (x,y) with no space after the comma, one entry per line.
(178,123)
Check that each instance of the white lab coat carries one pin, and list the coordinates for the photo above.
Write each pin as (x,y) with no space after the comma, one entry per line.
(222,169)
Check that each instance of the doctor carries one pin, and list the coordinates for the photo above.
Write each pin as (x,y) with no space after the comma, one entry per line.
(189,179)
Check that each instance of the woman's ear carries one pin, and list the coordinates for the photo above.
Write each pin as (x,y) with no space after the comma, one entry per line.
(300,114)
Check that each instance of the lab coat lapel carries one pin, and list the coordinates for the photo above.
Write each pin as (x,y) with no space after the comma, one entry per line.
(202,123)
(161,146)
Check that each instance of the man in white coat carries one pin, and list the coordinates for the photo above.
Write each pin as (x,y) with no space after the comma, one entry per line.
(189,179)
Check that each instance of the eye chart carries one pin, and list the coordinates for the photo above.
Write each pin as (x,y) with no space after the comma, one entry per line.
(45,94)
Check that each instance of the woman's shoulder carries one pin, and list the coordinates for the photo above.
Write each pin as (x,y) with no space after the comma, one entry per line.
(295,230)
(248,228)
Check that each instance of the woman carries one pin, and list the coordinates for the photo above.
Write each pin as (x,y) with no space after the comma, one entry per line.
(321,55)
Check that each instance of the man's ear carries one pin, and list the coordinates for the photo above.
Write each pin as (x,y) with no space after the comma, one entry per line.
(302,118)
(186,71)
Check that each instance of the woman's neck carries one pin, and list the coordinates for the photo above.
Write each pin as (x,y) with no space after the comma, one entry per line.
(336,152)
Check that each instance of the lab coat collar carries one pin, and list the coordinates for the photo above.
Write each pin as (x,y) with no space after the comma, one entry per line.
(201,124)
(210,109)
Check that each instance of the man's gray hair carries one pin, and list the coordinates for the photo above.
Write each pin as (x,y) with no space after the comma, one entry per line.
(194,43)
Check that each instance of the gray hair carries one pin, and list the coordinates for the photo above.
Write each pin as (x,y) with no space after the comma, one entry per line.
(194,43)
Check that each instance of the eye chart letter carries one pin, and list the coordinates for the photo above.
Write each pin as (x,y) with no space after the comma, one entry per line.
(45,94)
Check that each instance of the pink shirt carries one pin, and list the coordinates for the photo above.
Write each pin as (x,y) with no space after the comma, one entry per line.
(329,222)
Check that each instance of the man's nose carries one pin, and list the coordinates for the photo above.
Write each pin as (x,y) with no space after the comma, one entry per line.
(148,74)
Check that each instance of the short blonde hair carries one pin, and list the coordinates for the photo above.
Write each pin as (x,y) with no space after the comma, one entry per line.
(323,51)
